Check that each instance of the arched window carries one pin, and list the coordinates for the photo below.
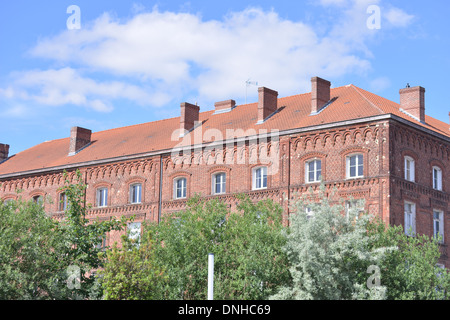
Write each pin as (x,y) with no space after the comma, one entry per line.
(102,197)
(409,169)
(437,178)
(62,204)
(135,193)
(219,183)
(313,171)
(259,178)
(179,188)
(355,166)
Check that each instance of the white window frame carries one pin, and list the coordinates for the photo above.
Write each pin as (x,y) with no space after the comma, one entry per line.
(136,193)
(358,163)
(437,178)
(410,165)
(410,218)
(182,188)
(259,178)
(102,197)
(315,171)
(438,224)
(222,184)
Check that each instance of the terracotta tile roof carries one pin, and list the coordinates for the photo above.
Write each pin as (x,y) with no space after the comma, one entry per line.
(350,103)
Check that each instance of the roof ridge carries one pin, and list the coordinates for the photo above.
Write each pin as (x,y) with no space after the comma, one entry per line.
(167,119)
(357,89)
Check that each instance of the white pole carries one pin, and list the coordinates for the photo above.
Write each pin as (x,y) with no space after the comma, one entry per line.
(210,276)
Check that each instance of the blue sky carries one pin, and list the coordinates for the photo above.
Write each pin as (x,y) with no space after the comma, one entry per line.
(135,61)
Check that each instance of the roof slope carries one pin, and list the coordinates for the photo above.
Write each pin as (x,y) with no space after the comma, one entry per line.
(350,103)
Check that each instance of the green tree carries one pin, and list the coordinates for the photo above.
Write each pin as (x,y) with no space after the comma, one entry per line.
(333,255)
(411,272)
(131,271)
(329,253)
(31,252)
(249,262)
(84,240)
(43,258)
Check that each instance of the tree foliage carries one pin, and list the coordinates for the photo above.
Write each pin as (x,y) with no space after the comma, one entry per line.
(329,253)
(31,252)
(411,272)
(84,239)
(249,263)
(131,271)
(43,258)
(333,255)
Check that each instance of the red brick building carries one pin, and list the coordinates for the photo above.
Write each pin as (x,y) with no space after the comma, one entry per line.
(361,145)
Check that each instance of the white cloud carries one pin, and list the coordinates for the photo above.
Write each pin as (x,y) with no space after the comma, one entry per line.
(398,18)
(181,52)
(159,57)
(55,87)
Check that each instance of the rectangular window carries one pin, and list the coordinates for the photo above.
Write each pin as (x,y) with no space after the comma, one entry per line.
(260,178)
(410,218)
(219,183)
(438,224)
(62,202)
(437,178)
(180,188)
(135,193)
(355,166)
(313,171)
(409,169)
(102,197)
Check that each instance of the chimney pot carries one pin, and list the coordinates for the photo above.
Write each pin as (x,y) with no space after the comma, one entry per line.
(412,100)
(4,151)
(267,103)
(79,138)
(189,116)
(320,93)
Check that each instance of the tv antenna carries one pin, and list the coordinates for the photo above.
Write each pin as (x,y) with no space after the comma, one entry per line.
(247,84)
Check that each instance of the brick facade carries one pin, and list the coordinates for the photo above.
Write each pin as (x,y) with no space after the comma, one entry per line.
(383,141)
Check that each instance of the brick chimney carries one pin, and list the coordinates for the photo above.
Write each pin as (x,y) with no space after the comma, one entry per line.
(4,150)
(412,100)
(267,103)
(224,106)
(320,93)
(189,117)
(79,138)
